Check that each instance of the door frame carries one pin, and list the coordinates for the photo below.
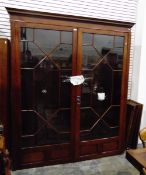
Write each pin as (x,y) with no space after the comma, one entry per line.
(16,84)
(124,87)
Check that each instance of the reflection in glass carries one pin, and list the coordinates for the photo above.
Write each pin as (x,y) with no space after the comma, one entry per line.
(47,40)
(119,52)
(40,132)
(61,121)
(27,34)
(115,58)
(112,117)
(88,118)
(102,83)
(90,57)
(30,54)
(86,97)
(87,38)
(102,88)
(27,89)
(103,43)
(29,119)
(107,126)
(112,60)
(46,87)
(45,98)
(65,89)
(117,78)
(66,37)
(119,41)
(63,56)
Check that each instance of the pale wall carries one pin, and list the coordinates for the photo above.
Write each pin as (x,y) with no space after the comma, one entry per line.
(138,91)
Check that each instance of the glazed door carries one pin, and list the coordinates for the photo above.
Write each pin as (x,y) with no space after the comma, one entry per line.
(60,121)
(46,63)
(102,67)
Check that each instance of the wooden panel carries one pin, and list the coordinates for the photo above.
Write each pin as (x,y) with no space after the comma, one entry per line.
(4,77)
(60,153)
(99,147)
(32,157)
(35,156)
(89,149)
(133,119)
(110,146)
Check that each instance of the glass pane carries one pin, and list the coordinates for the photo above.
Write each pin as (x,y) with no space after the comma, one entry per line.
(65,89)
(90,57)
(29,119)
(101,89)
(57,130)
(112,117)
(27,89)
(30,55)
(46,100)
(112,60)
(115,58)
(100,130)
(61,121)
(86,95)
(40,132)
(63,56)
(103,43)
(48,136)
(117,78)
(119,41)
(27,34)
(102,127)
(46,87)
(97,82)
(47,40)
(119,52)
(88,118)
(66,37)
(87,38)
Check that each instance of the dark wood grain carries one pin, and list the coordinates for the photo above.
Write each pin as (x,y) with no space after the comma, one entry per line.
(133,120)
(28,13)
(4,86)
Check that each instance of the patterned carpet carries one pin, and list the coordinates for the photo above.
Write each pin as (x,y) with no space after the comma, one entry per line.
(114,165)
